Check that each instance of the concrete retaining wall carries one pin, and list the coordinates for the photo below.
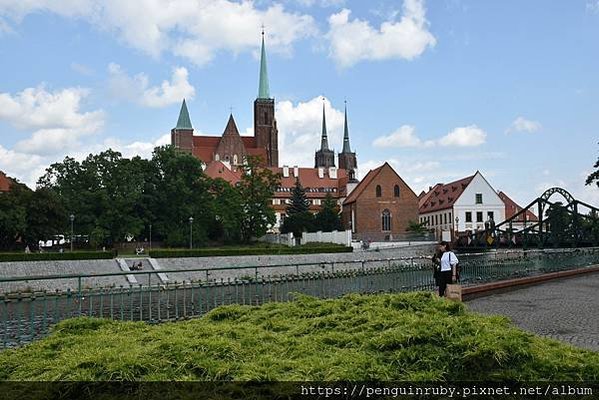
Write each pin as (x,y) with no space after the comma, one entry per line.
(33,268)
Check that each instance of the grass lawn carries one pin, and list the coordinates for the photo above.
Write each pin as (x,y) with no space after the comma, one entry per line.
(413,336)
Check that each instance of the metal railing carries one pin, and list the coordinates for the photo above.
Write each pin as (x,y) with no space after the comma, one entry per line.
(27,315)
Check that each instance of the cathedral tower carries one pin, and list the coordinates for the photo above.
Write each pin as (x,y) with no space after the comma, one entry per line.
(182,134)
(265,124)
(324,157)
(347,159)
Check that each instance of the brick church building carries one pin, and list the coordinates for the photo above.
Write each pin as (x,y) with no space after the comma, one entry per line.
(5,183)
(222,156)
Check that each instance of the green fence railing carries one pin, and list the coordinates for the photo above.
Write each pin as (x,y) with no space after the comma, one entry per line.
(27,315)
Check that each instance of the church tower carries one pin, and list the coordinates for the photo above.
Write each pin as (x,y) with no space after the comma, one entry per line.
(265,124)
(347,159)
(324,157)
(182,134)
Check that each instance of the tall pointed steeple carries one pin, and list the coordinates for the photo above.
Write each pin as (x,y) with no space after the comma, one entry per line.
(184,122)
(325,157)
(347,159)
(263,89)
(182,134)
(324,141)
(346,147)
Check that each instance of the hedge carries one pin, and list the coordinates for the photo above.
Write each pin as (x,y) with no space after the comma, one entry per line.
(78,255)
(412,337)
(248,251)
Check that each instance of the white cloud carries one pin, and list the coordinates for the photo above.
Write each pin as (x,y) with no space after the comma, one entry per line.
(54,117)
(356,40)
(321,3)
(300,128)
(196,30)
(39,108)
(137,88)
(406,136)
(467,136)
(593,6)
(522,124)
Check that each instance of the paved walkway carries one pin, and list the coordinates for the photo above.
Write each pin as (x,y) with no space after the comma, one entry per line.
(566,309)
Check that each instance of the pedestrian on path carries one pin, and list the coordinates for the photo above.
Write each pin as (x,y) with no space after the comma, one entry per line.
(448,271)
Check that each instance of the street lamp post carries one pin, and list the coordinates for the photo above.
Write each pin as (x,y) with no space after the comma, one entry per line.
(191,232)
(72,218)
(150,236)
(457,220)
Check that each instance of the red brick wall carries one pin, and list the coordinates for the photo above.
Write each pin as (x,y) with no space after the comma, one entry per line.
(368,207)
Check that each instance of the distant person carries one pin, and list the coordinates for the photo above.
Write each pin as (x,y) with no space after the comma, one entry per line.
(437,264)
(448,270)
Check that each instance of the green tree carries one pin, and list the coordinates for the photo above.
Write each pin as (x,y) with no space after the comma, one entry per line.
(13,216)
(416,227)
(227,210)
(559,220)
(256,188)
(298,218)
(177,190)
(45,216)
(594,176)
(328,219)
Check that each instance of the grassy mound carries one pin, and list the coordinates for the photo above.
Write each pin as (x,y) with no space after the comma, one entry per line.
(414,336)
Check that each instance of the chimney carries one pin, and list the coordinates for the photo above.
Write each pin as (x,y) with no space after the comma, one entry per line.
(285,171)
(333,173)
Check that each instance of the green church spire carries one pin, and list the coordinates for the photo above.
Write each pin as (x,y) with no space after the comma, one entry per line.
(184,122)
(263,90)
(346,147)
(324,141)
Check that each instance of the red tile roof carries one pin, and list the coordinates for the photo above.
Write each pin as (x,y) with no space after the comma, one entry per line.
(511,208)
(217,169)
(443,196)
(315,187)
(5,182)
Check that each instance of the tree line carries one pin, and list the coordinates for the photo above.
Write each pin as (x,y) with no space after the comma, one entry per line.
(111,198)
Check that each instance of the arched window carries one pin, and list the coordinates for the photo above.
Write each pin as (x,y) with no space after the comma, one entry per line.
(265,118)
(396,191)
(234,159)
(386,220)
(379,191)
(217,157)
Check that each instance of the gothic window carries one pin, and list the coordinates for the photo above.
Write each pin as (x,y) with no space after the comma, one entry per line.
(396,191)
(265,118)
(379,191)
(234,159)
(386,220)
(217,157)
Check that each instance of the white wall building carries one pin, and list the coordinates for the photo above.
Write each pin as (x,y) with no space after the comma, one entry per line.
(463,205)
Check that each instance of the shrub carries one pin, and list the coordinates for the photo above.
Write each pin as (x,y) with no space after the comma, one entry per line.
(77,255)
(250,251)
(385,337)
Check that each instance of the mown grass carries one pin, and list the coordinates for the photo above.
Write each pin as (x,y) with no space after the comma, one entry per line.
(414,336)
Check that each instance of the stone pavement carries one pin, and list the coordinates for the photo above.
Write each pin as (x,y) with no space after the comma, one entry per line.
(565,309)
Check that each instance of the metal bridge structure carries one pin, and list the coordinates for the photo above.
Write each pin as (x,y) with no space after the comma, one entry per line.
(565,222)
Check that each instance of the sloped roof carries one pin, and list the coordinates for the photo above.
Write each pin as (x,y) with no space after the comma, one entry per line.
(363,184)
(218,169)
(5,182)
(443,196)
(184,122)
(231,128)
(309,179)
(511,208)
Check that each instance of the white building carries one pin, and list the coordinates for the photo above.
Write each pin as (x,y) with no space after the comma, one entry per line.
(463,205)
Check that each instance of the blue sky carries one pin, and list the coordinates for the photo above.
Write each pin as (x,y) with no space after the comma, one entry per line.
(438,88)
